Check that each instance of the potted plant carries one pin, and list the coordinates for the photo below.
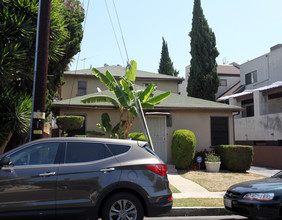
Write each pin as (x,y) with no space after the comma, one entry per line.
(212,162)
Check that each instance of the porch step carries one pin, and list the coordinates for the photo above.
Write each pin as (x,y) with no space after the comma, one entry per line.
(171,168)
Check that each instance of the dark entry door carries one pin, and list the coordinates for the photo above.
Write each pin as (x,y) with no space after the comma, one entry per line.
(219,131)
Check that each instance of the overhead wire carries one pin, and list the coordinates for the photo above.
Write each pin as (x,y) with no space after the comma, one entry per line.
(78,56)
(114,31)
(121,32)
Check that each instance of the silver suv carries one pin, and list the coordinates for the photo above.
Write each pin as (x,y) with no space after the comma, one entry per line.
(83,178)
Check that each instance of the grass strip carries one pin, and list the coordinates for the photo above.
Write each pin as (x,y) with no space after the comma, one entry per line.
(198,202)
(173,189)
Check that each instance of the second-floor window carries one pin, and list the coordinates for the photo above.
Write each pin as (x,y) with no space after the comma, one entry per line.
(81,87)
(223,82)
(251,77)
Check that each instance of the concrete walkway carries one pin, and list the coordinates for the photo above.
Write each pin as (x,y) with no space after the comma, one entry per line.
(190,189)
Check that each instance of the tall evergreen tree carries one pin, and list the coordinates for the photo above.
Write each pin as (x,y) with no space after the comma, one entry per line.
(203,81)
(166,66)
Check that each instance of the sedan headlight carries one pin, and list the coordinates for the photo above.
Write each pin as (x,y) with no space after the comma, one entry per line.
(259,196)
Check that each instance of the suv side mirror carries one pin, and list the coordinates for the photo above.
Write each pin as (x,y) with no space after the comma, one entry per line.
(4,161)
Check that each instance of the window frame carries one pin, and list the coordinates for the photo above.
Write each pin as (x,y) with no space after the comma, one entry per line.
(81,89)
(251,77)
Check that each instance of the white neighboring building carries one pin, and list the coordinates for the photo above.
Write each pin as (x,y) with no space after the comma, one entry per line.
(261,121)
(229,79)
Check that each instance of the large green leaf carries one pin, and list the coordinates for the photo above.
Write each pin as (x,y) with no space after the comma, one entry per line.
(131,71)
(146,93)
(126,88)
(157,99)
(122,96)
(133,110)
(101,98)
(147,105)
(111,78)
(107,81)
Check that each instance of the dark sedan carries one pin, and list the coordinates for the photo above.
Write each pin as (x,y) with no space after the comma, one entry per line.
(258,199)
(83,177)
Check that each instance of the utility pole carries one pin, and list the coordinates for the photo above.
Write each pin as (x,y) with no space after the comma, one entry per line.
(40,70)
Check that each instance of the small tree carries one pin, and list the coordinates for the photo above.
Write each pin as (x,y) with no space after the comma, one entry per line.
(203,81)
(107,129)
(166,65)
(124,95)
(66,123)
(15,111)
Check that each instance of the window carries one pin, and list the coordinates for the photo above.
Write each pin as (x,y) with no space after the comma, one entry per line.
(251,77)
(223,82)
(38,154)
(248,106)
(219,131)
(81,87)
(118,149)
(78,152)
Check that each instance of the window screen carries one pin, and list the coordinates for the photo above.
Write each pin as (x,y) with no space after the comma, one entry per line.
(78,152)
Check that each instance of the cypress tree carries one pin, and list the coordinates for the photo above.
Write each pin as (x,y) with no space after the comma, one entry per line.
(166,66)
(203,81)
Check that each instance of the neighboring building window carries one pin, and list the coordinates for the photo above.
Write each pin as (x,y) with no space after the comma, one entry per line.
(223,82)
(249,111)
(219,131)
(81,87)
(248,106)
(251,77)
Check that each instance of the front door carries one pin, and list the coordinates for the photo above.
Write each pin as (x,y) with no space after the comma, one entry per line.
(157,129)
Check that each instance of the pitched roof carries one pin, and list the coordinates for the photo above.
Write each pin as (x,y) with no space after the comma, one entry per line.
(173,102)
(228,69)
(118,71)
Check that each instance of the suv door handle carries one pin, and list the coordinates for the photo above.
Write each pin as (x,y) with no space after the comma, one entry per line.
(47,174)
(106,170)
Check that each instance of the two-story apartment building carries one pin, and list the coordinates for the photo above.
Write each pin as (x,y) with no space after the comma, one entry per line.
(82,82)
(261,121)
(229,76)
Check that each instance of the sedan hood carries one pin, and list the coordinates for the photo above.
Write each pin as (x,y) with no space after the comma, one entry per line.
(261,185)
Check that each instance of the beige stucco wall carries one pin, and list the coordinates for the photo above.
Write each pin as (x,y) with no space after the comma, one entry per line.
(198,122)
(69,89)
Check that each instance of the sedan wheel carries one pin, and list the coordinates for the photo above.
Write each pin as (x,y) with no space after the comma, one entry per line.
(123,206)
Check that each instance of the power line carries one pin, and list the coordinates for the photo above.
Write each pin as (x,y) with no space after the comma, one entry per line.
(114,31)
(121,32)
(78,56)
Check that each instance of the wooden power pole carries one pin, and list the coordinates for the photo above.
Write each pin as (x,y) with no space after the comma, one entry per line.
(40,70)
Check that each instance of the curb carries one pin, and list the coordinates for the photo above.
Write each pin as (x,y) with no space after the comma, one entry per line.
(197,211)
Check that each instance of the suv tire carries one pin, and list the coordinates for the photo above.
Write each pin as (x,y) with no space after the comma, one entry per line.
(122,206)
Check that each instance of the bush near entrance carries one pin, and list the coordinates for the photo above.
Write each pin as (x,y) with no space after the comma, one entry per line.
(183,148)
(235,157)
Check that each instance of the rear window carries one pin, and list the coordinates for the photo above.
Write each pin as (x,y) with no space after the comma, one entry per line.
(118,149)
(78,152)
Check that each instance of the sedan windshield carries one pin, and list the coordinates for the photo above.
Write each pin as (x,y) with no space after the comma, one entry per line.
(278,175)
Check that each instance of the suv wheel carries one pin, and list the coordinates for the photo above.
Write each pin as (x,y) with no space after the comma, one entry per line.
(123,206)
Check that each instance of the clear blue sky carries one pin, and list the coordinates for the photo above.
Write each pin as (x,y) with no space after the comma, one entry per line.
(244,30)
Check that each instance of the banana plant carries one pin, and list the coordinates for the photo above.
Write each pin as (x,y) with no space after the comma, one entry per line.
(125,95)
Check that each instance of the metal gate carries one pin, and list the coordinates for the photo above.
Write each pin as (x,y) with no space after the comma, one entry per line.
(157,128)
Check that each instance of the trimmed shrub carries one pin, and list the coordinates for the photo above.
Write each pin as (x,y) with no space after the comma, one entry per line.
(66,123)
(235,157)
(183,148)
(137,136)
